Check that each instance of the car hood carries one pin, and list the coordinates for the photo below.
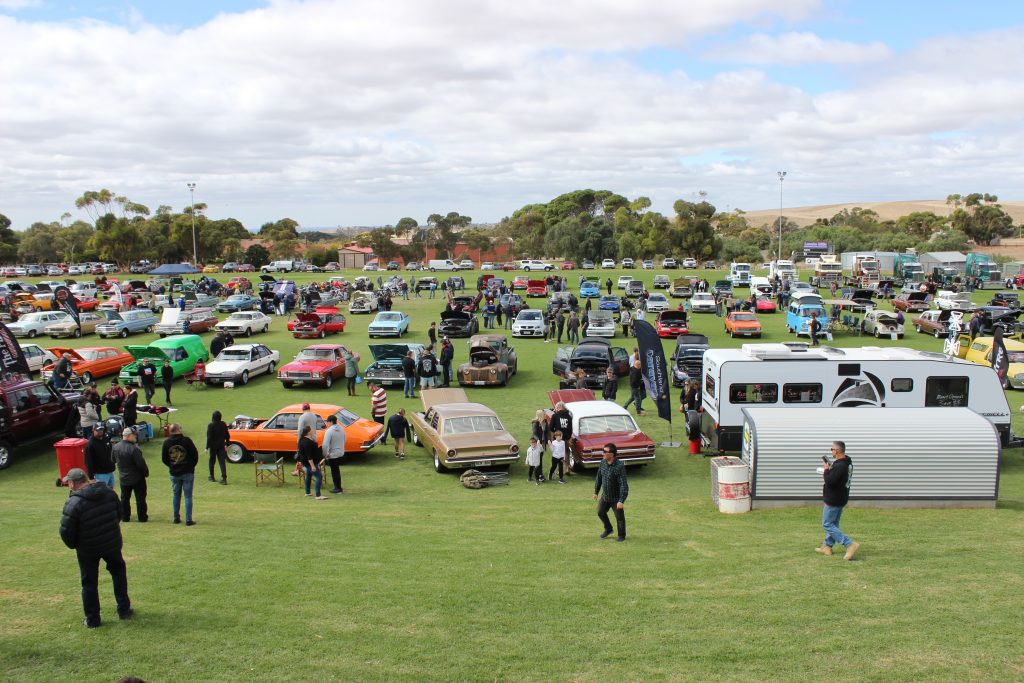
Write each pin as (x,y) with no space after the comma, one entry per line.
(222,365)
(140,352)
(570,396)
(385,353)
(672,318)
(309,318)
(456,316)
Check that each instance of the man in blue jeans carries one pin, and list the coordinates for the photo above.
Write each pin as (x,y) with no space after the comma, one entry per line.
(181,457)
(836,493)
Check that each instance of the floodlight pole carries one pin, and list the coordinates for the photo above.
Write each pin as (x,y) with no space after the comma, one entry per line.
(195,252)
(782,177)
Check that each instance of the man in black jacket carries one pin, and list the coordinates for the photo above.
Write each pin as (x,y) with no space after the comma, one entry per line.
(91,525)
(181,457)
(99,463)
(147,378)
(613,488)
(132,471)
(409,373)
(447,354)
(561,421)
(637,391)
(836,493)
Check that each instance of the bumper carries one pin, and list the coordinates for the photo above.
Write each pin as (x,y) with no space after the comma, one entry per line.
(384,380)
(221,378)
(384,333)
(481,461)
(593,463)
(527,332)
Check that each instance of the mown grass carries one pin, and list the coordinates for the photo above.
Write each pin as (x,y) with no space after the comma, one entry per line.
(411,577)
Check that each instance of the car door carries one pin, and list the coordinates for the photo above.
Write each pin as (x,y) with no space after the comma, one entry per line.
(560,364)
(278,434)
(23,423)
(620,359)
(51,413)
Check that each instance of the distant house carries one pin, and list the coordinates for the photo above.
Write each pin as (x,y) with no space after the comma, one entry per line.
(946,259)
(355,257)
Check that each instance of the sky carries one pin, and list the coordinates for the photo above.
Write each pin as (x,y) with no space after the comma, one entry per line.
(350,112)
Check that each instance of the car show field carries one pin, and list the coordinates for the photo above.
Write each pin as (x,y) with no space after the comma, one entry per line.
(409,576)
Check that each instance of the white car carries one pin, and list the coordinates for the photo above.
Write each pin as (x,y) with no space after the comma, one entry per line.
(627,263)
(37,356)
(34,324)
(668,263)
(529,323)
(647,265)
(881,324)
(702,302)
(533,264)
(608,263)
(656,303)
(798,288)
(602,323)
(945,300)
(487,266)
(244,323)
(623,281)
(240,362)
(54,271)
(370,267)
(76,270)
(466,264)
(82,290)
(689,263)
(363,302)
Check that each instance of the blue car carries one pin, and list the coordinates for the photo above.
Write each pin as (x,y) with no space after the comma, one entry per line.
(389,324)
(798,317)
(590,290)
(238,302)
(610,302)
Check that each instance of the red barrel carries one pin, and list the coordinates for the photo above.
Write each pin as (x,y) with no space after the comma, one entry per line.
(70,454)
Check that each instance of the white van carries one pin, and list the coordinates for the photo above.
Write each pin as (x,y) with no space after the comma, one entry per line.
(279,267)
(441,264)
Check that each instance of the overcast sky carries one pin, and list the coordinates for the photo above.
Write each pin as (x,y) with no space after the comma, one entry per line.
(359,113)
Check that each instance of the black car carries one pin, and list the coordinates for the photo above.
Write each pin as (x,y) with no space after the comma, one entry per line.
(393,265)
(688,357)
(998,316)
(386,368)
(593,355)
(458,324)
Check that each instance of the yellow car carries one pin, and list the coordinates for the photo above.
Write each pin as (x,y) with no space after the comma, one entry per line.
(211,269)
(980,352)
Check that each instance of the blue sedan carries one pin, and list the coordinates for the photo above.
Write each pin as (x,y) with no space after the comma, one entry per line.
(238,302)
(610,302)
(590,290)
(389,324)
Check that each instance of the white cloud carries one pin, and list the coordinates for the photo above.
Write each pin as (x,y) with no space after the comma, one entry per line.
(799,48)
(19,4)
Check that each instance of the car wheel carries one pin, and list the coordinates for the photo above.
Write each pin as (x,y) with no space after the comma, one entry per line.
(86,378)
(936,333)
(149,329)
(918,328)
(31,334)
(124,333)
(248,332)
(237,452)
(415,437)
(437,463)
(288,385)
(78,333)
(271,368)
(328,381)
(1005,383)
(266,328)
(5,455)
(877,336)
(322,334)
(574,464)
(244,379)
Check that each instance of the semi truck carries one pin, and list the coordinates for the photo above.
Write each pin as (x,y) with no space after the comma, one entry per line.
(907,267)
(984,267)
(864,272)
(826,271)
(782,269)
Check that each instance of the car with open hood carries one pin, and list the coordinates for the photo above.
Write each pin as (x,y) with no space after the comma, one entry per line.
(863,299)
(32,325)
(688,357)
(593,356)
(363,302)
(386,368)
(240,362)
(742,324)
(912,302)
(323,321)
(671,324)
(239,302)
(87,323)
(183,350)
(189,321)
(933,322)
(520,282)
(127,322)
(26,302)
(536,288)
(458,324)
(460,435)
(244,323)
(529,322)
(319,364)
(979,350)
(764,304)
(389,324)
(279,434)
(600,323)
(90,362)
(467,303)
(491,361)
(596,422)
(991,317)
(681,288)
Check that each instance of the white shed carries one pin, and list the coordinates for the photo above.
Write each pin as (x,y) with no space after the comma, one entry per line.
(946,259)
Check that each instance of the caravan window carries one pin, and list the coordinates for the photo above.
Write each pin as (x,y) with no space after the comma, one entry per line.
(801,393)
(901,384)
(709,385)
(753,393)
(946,392)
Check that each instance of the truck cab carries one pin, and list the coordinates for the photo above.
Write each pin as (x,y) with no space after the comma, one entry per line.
(739,274)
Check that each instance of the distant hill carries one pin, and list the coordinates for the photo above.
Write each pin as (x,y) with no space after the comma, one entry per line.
(805,215)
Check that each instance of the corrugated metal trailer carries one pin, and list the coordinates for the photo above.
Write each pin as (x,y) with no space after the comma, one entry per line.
(902,457)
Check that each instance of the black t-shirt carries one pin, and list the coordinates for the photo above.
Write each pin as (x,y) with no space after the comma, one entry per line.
(409,367)
(836,489)
(147,374)
(561,421)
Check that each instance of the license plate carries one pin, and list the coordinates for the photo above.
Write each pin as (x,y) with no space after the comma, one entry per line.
(484,463)
(479,383)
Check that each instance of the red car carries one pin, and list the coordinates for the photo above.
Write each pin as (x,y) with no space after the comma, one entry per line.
(509,266)
(87,303)
(671,324)
(764,304)
(318,364)
(568,265)
(599,422)
(536,288)
(520,282)
(326,320)
(246,268)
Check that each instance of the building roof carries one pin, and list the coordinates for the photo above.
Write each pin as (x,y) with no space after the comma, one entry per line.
(352,248)
(946,256)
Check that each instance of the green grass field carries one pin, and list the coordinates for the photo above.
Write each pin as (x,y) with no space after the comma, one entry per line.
(411,577)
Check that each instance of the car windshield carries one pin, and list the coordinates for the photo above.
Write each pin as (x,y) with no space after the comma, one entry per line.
(240,316)
(234,354)
(472,424)
(237,297)
(346,417)
(175,354)
(31,317)
(389,317)
(601,424)
(743,316)
(529,315)
(589,284)
(315,354)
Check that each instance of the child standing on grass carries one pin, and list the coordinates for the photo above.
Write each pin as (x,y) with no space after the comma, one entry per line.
(557,456)
(533,454)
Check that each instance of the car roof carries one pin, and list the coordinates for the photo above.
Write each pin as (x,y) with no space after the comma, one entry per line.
(595,408)
(321,409)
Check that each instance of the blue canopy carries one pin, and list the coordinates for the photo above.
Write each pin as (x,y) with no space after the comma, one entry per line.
(173,269)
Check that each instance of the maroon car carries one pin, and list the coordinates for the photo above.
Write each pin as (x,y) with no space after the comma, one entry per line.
(912,302)
(596,422)
(31,411)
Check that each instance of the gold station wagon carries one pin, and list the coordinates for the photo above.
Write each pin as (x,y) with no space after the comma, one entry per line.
(459,434)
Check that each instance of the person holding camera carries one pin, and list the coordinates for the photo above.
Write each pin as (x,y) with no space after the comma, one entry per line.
(837,474)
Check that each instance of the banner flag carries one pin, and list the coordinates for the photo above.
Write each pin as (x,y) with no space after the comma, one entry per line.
(1000,358)
(67,301)
(653,367)
(12,358)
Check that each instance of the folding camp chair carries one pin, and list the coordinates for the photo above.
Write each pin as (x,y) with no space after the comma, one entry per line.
(197,378)
(268,468)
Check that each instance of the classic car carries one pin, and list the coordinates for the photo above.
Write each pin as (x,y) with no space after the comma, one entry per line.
(913,302)
(590,289)
(681,288)
(33,324)
(491,361)
(979,350)
(671,324)
(511,300)
(688,357)
(318,364)
(389,324)
(948,300)
(87,323)
(183,350)
(661,282)
(763,304)
(623,281)
(742,324)
(862,299)
(509,265)
(702,302)
(127,322)
(425,283)
(881,324)
(520,282)
(386,368)
(656,303)
(90,362)
(997,316)
(238,302)
(529,322)
(279,433)
(37,356)
(212,268)
(635,288)
(189,321)
(244,323)
(609,302)
(536,288)
(363,302)
(934,322)
(82,290)
(32,411)
(600,323)
(87,303)
(459,434)
(593,356)
(240,362)
(596,423)
(467,303)
(326,320)
(27,303)
(458,324)
(722,287)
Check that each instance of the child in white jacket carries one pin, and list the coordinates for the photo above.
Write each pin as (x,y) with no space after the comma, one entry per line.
(533,454)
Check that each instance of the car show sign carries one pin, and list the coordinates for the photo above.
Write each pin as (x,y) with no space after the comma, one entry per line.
(67,301)
(653,367)
(12,359)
